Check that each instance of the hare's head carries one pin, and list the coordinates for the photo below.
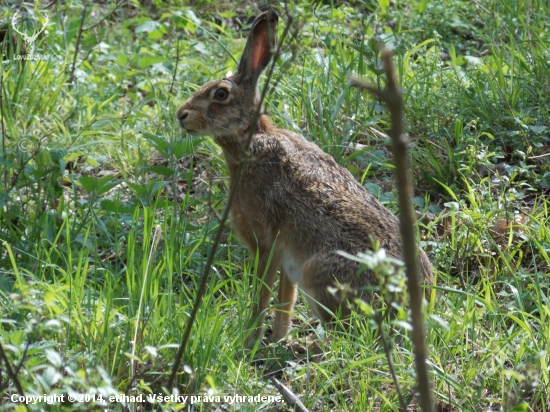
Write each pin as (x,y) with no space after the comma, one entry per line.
(225,107)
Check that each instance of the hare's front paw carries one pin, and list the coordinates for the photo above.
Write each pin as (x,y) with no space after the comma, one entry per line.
(281,326)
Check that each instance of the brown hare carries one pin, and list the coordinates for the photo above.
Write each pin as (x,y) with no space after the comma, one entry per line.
(294,204)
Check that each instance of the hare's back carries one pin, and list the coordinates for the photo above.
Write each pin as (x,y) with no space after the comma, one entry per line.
(321,201)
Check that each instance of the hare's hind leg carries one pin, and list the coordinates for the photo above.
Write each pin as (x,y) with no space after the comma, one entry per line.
(286,299)
(330,280)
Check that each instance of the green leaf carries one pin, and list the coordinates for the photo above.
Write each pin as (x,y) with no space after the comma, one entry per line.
(201,48)
(538,129)
(105,179)
(421,6)
(155,35)
(191,14)
(4,199)
(158,143)
(88,183)
(185,147)
(161,170)
(383,4)
(182,22)
(377,157)
(57,154)
(49,377)
(419,202)
(373,188)
(117,207)
(100,185)
(545,182)
(148,26)
(387,197)
(54,357)
(122,59)
(150,60)
(102,188)
(522,407)
(228,14)
(140,189)
(43,159)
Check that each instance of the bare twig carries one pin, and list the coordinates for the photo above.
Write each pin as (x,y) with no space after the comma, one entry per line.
(15,176)
(539,156)
(62,21)
(244,158)
(2,113)
(528,26)
(176,66)
(292,400)
(11,373)
(393,99)
(23,357)
(77,46)
(387,349)
(481,7)
(106,16)
(3,126)
(98,40)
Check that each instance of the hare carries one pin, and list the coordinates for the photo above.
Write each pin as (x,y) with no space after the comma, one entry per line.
(294,204)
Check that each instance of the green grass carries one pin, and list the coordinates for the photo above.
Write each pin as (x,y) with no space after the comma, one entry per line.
(102,244)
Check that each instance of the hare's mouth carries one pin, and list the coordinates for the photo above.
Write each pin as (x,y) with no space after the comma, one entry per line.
(188,130)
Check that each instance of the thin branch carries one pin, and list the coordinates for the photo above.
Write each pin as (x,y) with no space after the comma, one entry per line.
(106,16)
(292,400)
(244,158)
(528,26)
(15,176)
(387,349)
(23,357)
(62,21)
(10,371)
(3,126)
(538,156)
(481,7)
(93,47)
(77,46)
(176,66)
(393,99)
(2,113)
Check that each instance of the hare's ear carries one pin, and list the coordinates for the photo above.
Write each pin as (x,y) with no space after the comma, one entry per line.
(259,47)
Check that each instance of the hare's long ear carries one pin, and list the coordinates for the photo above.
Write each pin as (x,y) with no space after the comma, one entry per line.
(259,47)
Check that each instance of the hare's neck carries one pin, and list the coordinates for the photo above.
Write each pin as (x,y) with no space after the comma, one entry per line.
(232,153)
(232,146)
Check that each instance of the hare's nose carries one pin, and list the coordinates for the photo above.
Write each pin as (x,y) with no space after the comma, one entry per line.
(181,117)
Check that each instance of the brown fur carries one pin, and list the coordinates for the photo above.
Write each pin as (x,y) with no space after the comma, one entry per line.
(293,199)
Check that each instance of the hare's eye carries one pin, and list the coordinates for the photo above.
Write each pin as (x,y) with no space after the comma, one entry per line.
(221,94)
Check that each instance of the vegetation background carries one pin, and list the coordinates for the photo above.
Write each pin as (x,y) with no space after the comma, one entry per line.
(107,210)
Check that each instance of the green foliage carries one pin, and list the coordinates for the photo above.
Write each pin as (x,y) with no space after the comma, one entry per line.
(107,210)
